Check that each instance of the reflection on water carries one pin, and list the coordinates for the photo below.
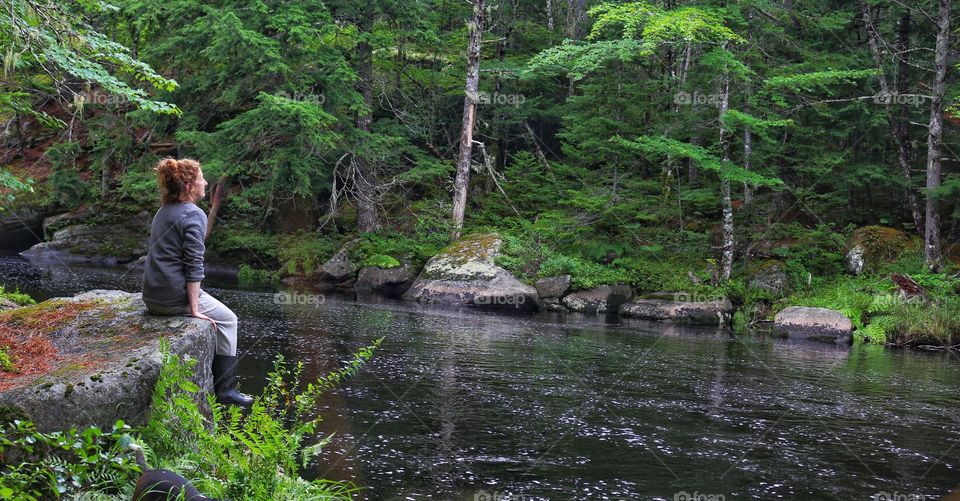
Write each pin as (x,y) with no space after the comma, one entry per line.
(457,404)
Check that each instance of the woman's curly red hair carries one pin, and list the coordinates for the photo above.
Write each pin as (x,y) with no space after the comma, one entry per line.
(173,176)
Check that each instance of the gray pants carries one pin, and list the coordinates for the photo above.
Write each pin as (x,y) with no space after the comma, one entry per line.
(208,305)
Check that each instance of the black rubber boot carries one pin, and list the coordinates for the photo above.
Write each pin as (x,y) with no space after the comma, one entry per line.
(225,379)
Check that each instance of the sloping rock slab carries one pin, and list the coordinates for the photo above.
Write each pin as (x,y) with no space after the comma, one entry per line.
(814,323)
(101,245)
(464,273)
(601,299)
(716,312)
(102,359)
(392,282)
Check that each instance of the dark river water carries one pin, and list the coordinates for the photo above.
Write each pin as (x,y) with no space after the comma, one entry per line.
(476,406)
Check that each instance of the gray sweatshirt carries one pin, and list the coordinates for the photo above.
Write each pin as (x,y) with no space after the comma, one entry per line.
(175,254)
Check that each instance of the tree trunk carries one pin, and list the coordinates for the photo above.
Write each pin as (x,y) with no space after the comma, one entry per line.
(747,151)
(934,253)
(470,99)
(365,178)
(575,10)
(898,129)
(216,200)
(550,15)
(726,261)
(904,148)
(693,172)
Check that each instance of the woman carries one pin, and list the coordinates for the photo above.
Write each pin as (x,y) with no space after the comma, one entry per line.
(174,268)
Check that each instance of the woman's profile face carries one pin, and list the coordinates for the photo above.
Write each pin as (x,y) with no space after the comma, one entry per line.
(198,188)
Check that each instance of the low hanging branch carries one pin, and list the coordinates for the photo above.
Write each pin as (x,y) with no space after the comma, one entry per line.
(494,175)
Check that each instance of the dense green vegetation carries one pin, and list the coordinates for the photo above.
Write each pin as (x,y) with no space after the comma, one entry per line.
(235,455)
(668,145)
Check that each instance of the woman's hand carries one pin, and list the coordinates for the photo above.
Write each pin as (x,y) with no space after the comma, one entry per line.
(197,314)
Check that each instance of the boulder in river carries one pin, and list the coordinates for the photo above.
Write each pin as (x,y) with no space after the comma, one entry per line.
(337,272)
(551,290)
(464,273)
(682,308)
(392,282)
(94,358)
(814,323)
(602,299)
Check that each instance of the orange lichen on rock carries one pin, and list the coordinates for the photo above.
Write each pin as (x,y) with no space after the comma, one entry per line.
(24,336)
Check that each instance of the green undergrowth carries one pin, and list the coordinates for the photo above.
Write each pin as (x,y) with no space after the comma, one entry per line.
(237,455)
(880,313)
(16,296)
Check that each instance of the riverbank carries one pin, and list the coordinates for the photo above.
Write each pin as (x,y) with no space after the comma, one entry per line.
(873,276)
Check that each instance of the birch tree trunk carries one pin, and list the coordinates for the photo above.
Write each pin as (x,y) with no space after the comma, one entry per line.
(726,261)
(932,248)
(470,99)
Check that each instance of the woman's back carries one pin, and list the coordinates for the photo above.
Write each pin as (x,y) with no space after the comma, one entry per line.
(175,254)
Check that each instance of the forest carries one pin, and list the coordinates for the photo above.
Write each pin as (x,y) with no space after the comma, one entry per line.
(774,153)
(616,142)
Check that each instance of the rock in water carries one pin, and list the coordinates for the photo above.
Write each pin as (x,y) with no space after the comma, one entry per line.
(391,282)
(464,273)
(551,290)
(601,299)
(338,272)
(814,323)
(94,358)
(716,311)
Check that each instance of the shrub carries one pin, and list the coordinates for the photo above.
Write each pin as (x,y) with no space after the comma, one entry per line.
(257,455)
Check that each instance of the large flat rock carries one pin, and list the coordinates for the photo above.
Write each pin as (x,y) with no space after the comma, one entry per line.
(464,273)
(716,311)
(94,358)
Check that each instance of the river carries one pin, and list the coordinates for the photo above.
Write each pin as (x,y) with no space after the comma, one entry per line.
(458,404)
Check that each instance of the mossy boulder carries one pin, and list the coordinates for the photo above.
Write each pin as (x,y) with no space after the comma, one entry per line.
(769,275)
(464,273)
(94,358)
(872,246)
